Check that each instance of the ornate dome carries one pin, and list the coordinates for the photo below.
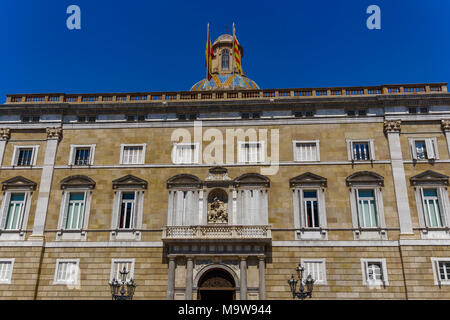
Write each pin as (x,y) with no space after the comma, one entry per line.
(225,82)
(225,75)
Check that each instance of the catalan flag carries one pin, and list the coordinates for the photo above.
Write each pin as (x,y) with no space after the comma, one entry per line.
(209,54)
(237,53)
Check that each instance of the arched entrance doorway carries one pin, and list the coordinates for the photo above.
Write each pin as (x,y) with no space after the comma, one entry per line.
(216,284)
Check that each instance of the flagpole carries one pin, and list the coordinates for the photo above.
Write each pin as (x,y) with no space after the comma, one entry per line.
(207,55)
(233,55)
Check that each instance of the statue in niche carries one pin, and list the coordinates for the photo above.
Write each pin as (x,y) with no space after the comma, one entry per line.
(217,207)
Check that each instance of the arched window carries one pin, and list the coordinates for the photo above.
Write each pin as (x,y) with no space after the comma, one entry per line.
(225,59)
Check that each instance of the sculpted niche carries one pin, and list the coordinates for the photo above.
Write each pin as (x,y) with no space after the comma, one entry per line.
(217,207)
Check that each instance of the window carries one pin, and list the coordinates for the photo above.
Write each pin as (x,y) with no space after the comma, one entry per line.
(441,271)
(15,207)
(310,209)
(306,151)
(316,268)
(117,266)
(432,210)
(133,118)
(366,205)
(184,199)
(15,211)
(361,150)
(225,60)
(424,149)
(367,210)
(127,210)
(357,112)
(25,156)
(75,206)
(252,199)
(251,152)
(86,119)
(185,153)
(66,272)
(75,211)
(301,114)
(132,154)
(432,202)
(309,206)
(254,115)
(6,269)
(374,272)
(30,118)
(82,155)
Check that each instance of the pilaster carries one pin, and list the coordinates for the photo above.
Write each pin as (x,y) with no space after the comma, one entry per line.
(171,279)
(243,284)
(189,277)
(54,135)
(392,130)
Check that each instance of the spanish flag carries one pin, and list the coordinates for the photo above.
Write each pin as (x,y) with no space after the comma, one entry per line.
(209,54)
(237,53)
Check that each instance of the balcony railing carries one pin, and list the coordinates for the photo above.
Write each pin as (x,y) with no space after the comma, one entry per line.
(182,96)
(216,232)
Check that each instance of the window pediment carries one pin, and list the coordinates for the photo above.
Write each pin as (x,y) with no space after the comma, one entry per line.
(18,182)
(129,181)
(77,181)
(365,177)
(429,177)
(184,180)
(308,178)
(252,179)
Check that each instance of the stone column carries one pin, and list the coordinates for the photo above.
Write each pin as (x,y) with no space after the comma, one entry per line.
(5,134)
(445,124)
(189,276)
(262,277)
(54,135)
(392,130)
(171,279)
(243,284)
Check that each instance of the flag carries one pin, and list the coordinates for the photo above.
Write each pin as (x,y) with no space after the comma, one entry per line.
(209,54)
(237,53)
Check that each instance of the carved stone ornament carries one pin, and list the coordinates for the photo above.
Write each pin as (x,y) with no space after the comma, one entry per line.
(392,125)
(54,133)
(218,174)
(445,124)
(217,211)
(5,133)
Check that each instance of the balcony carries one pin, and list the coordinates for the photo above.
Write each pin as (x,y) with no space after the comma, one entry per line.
(217,232)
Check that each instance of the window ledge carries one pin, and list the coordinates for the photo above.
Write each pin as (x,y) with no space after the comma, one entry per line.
(311,234)
(370,234)
(125,235)
(444,233)
(77,235)
(12,235)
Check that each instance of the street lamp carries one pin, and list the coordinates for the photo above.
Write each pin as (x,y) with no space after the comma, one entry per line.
(301,294)
(118,290)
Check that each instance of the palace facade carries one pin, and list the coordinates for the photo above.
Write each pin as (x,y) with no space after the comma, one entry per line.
(221,191)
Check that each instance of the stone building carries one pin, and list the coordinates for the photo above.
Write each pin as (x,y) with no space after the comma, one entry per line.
(221,191)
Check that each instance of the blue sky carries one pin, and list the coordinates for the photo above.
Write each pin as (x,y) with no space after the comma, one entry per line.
(132,46)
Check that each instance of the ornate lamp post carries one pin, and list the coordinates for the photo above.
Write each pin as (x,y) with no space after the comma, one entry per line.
(118,290)
(301,294)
